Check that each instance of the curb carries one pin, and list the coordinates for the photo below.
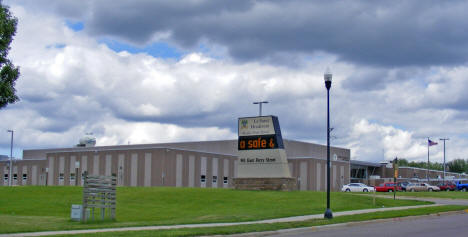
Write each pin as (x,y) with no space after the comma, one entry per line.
(332,226)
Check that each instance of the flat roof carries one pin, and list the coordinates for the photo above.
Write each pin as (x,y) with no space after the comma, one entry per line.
(365,163)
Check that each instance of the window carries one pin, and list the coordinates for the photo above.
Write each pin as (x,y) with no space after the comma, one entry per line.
(203,179)
(61,176)
(72,176)
(5,177)
(215,179)
(225,180)
(15,176)
(25,176)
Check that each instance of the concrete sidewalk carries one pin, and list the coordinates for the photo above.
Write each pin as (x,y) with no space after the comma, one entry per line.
(287,219)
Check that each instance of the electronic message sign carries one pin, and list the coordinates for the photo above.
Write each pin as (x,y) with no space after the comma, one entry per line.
(260,148)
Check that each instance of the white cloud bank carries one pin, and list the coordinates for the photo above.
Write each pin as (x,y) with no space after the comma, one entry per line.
(71,84)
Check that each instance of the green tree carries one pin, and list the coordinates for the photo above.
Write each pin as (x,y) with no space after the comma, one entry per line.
(8,72)
(402,162)
(458,165)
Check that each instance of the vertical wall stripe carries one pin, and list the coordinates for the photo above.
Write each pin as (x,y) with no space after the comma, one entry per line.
(178,170)
(147,182)
(203,171)
(96,165)
(5,171)
(34,175)
(235,169)
(108,171)
(334,177)
(215,178)
(225,172)
(15,171)
(191,178)
(84,167)
(341,176)
(319,177)
(72,170)
(120,172)
(25,171)
(72,164)
(61,170)
(134,170)
(303,175)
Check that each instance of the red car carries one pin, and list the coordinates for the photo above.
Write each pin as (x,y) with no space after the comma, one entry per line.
(448,186)
(387,187)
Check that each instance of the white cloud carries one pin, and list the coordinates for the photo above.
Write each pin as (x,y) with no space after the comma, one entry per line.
(375,142)
(71,84)
(122,132)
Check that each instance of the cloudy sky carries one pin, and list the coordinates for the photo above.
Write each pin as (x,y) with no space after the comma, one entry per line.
(149,71)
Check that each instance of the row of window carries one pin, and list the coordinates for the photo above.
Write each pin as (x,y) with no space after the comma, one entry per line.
(15,177)
(215,179)
(72,177)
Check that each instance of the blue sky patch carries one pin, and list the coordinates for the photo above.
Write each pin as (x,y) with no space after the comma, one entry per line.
(75,25)
(57,46)
(158,49)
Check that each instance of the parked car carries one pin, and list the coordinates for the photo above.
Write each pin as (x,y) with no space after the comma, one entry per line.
(403,185)
(421,187)
(447,186)
(357,187)
(388,187)
(462,185)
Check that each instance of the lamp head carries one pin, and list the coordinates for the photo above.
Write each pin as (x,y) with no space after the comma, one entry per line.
(327,75)
(328,78)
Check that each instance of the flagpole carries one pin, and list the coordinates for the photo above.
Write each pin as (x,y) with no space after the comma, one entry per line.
(427,170)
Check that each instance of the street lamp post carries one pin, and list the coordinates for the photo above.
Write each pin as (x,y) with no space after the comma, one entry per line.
(259,103)
(444,139)
(328,80)
(11,158)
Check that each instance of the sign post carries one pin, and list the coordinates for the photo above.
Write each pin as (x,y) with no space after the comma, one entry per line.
(395,176)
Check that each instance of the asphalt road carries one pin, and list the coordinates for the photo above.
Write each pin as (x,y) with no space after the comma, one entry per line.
(446,225)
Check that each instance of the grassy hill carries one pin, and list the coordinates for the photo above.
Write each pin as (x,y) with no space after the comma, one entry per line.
(37,208)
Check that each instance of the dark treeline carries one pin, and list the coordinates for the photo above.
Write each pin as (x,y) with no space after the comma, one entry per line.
(457,165)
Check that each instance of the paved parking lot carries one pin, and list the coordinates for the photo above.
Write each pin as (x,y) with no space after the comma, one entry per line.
(453,225)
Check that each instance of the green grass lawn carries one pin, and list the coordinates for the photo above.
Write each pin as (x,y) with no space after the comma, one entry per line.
(442,194)
(237,229)
(38,208)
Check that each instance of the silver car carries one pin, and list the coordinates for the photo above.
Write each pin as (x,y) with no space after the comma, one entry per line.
(357,187)
(413,187)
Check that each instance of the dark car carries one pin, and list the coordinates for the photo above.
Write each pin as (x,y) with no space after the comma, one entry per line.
(403,185)
(448,186)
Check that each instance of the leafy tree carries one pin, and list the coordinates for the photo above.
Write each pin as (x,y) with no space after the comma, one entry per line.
(421,164)
(458,165)
(8,72)
(402,162)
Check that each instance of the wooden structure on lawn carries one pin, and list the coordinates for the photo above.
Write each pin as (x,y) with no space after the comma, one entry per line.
(99,192)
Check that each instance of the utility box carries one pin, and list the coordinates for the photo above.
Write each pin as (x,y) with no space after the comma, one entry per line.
(76,211)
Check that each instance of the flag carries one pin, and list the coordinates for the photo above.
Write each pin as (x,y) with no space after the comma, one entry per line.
(431,143)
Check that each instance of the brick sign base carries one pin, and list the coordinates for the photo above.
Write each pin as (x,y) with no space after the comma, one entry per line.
(277,184)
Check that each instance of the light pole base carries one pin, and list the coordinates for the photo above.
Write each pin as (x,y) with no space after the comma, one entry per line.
(328,214)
